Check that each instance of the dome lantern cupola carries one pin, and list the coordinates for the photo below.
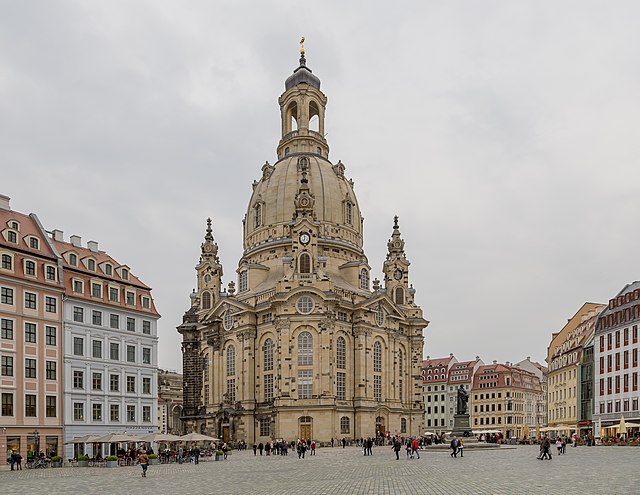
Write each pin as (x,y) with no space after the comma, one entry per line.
(302,110)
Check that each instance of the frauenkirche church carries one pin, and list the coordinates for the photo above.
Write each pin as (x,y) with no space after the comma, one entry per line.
(307,346)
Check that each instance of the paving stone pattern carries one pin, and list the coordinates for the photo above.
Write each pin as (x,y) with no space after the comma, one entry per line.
(583,470)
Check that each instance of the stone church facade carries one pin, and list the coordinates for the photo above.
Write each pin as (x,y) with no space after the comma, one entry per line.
(304,345)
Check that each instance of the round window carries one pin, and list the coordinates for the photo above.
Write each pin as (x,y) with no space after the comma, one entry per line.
(228,320)
(304,305)
(380,316)
(207,279)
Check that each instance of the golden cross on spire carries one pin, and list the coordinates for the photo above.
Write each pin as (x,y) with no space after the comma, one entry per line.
(302,46)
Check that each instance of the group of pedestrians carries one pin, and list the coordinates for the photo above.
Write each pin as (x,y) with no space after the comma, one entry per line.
(457,447)
(280,447)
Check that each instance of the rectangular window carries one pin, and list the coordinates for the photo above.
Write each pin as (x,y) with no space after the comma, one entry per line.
(7,366)
(51,370)
(601,364)
(131,324)
(96,349)
(635,382)
(340,386)
(29,268)
(50,335)
(609,363)
(96,412)
(231,390)
(617,338)
(601,386)
(114,383)
(51,406)
(29,332)
(7,404)
(78,286)
(6,329)
(78,411)
(609,341)
(30,406)
(131,353)
(50,304)
(146,327)
(78,379)
(6,295)
(305,384)
(146,414)
(7,261)
(617,361)
(131,384)
(50,273)
(30,300)
(265,427)
(131,298)
(146,355)
(78,314)
(146,385)
(96,317)
(78,346)
(114,351)
(626,359)
(96,290)
(29,368)
(131,413)
(145,302)
(114,412)
(114,321)
(626,336)
(635,334)
(113,294)
(96,381)
(634,355)
(268,387)
(377,388)
(626,383)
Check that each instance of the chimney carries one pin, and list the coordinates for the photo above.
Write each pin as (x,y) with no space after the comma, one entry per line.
(508,363)
(528,358)
(58,235)
(76,240)
(495,362)
(5,202)
(451,355)
(93,246)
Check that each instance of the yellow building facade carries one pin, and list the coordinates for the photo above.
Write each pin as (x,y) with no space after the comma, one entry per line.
(563,356)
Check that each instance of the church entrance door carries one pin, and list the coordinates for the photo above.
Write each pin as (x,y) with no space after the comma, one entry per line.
(225,433)
(306,432)
(380,425)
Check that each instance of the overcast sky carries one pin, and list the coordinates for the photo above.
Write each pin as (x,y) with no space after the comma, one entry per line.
(504,134)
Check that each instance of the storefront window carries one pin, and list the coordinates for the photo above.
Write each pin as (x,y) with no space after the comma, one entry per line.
(13,443)
(52,445)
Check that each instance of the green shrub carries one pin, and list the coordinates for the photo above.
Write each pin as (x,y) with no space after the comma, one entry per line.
(219,452)
(112,458)
(153,456)
(56,458)
(83,458)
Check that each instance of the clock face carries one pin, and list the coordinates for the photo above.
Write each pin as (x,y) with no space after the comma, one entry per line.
(208,248)
(397,274)
(305,238)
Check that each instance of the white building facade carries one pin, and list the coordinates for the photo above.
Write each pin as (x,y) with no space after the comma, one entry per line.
(110,346)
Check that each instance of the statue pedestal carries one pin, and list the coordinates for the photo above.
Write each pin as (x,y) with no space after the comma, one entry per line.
(461,425)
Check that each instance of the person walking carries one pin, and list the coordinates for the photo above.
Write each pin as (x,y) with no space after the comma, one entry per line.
(454,446)
(18,458)
(313,447)
(415,447)
(344,442)
(396,448)
(461,447)
(255,448)
(369,446)
(260,447)
(559,445)
(12,459)
(144,462)
(546,448)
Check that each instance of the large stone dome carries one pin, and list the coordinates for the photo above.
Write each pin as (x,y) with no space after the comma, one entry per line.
(273,202)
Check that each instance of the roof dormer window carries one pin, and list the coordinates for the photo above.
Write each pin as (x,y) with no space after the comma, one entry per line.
(91,265)
(108,269)
(125,274)
(14,225)
(34,243)
(12,237)
(73,259)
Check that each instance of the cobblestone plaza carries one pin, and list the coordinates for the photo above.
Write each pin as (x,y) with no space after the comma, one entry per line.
(585,470)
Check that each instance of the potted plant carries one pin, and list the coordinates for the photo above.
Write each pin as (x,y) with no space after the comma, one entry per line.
(83,461)
(112,461)
(229,449)
(219,455)
(153,459)
(56,461)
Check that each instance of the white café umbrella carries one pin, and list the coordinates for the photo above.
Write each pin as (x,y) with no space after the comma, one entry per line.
(118,438)
(197,437)
(84,439)
(160,437)
(622,427)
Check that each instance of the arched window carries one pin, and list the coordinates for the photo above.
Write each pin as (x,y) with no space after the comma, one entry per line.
(377,357)
(243,282)
(7,262)
(399,295)
(364,279)
(403,425)
(258,216)
(305,263)
(206,300)
(314,117)
(268,355)
(341,353)
(344,424)
(231,360)
(380,316)
(305,349)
